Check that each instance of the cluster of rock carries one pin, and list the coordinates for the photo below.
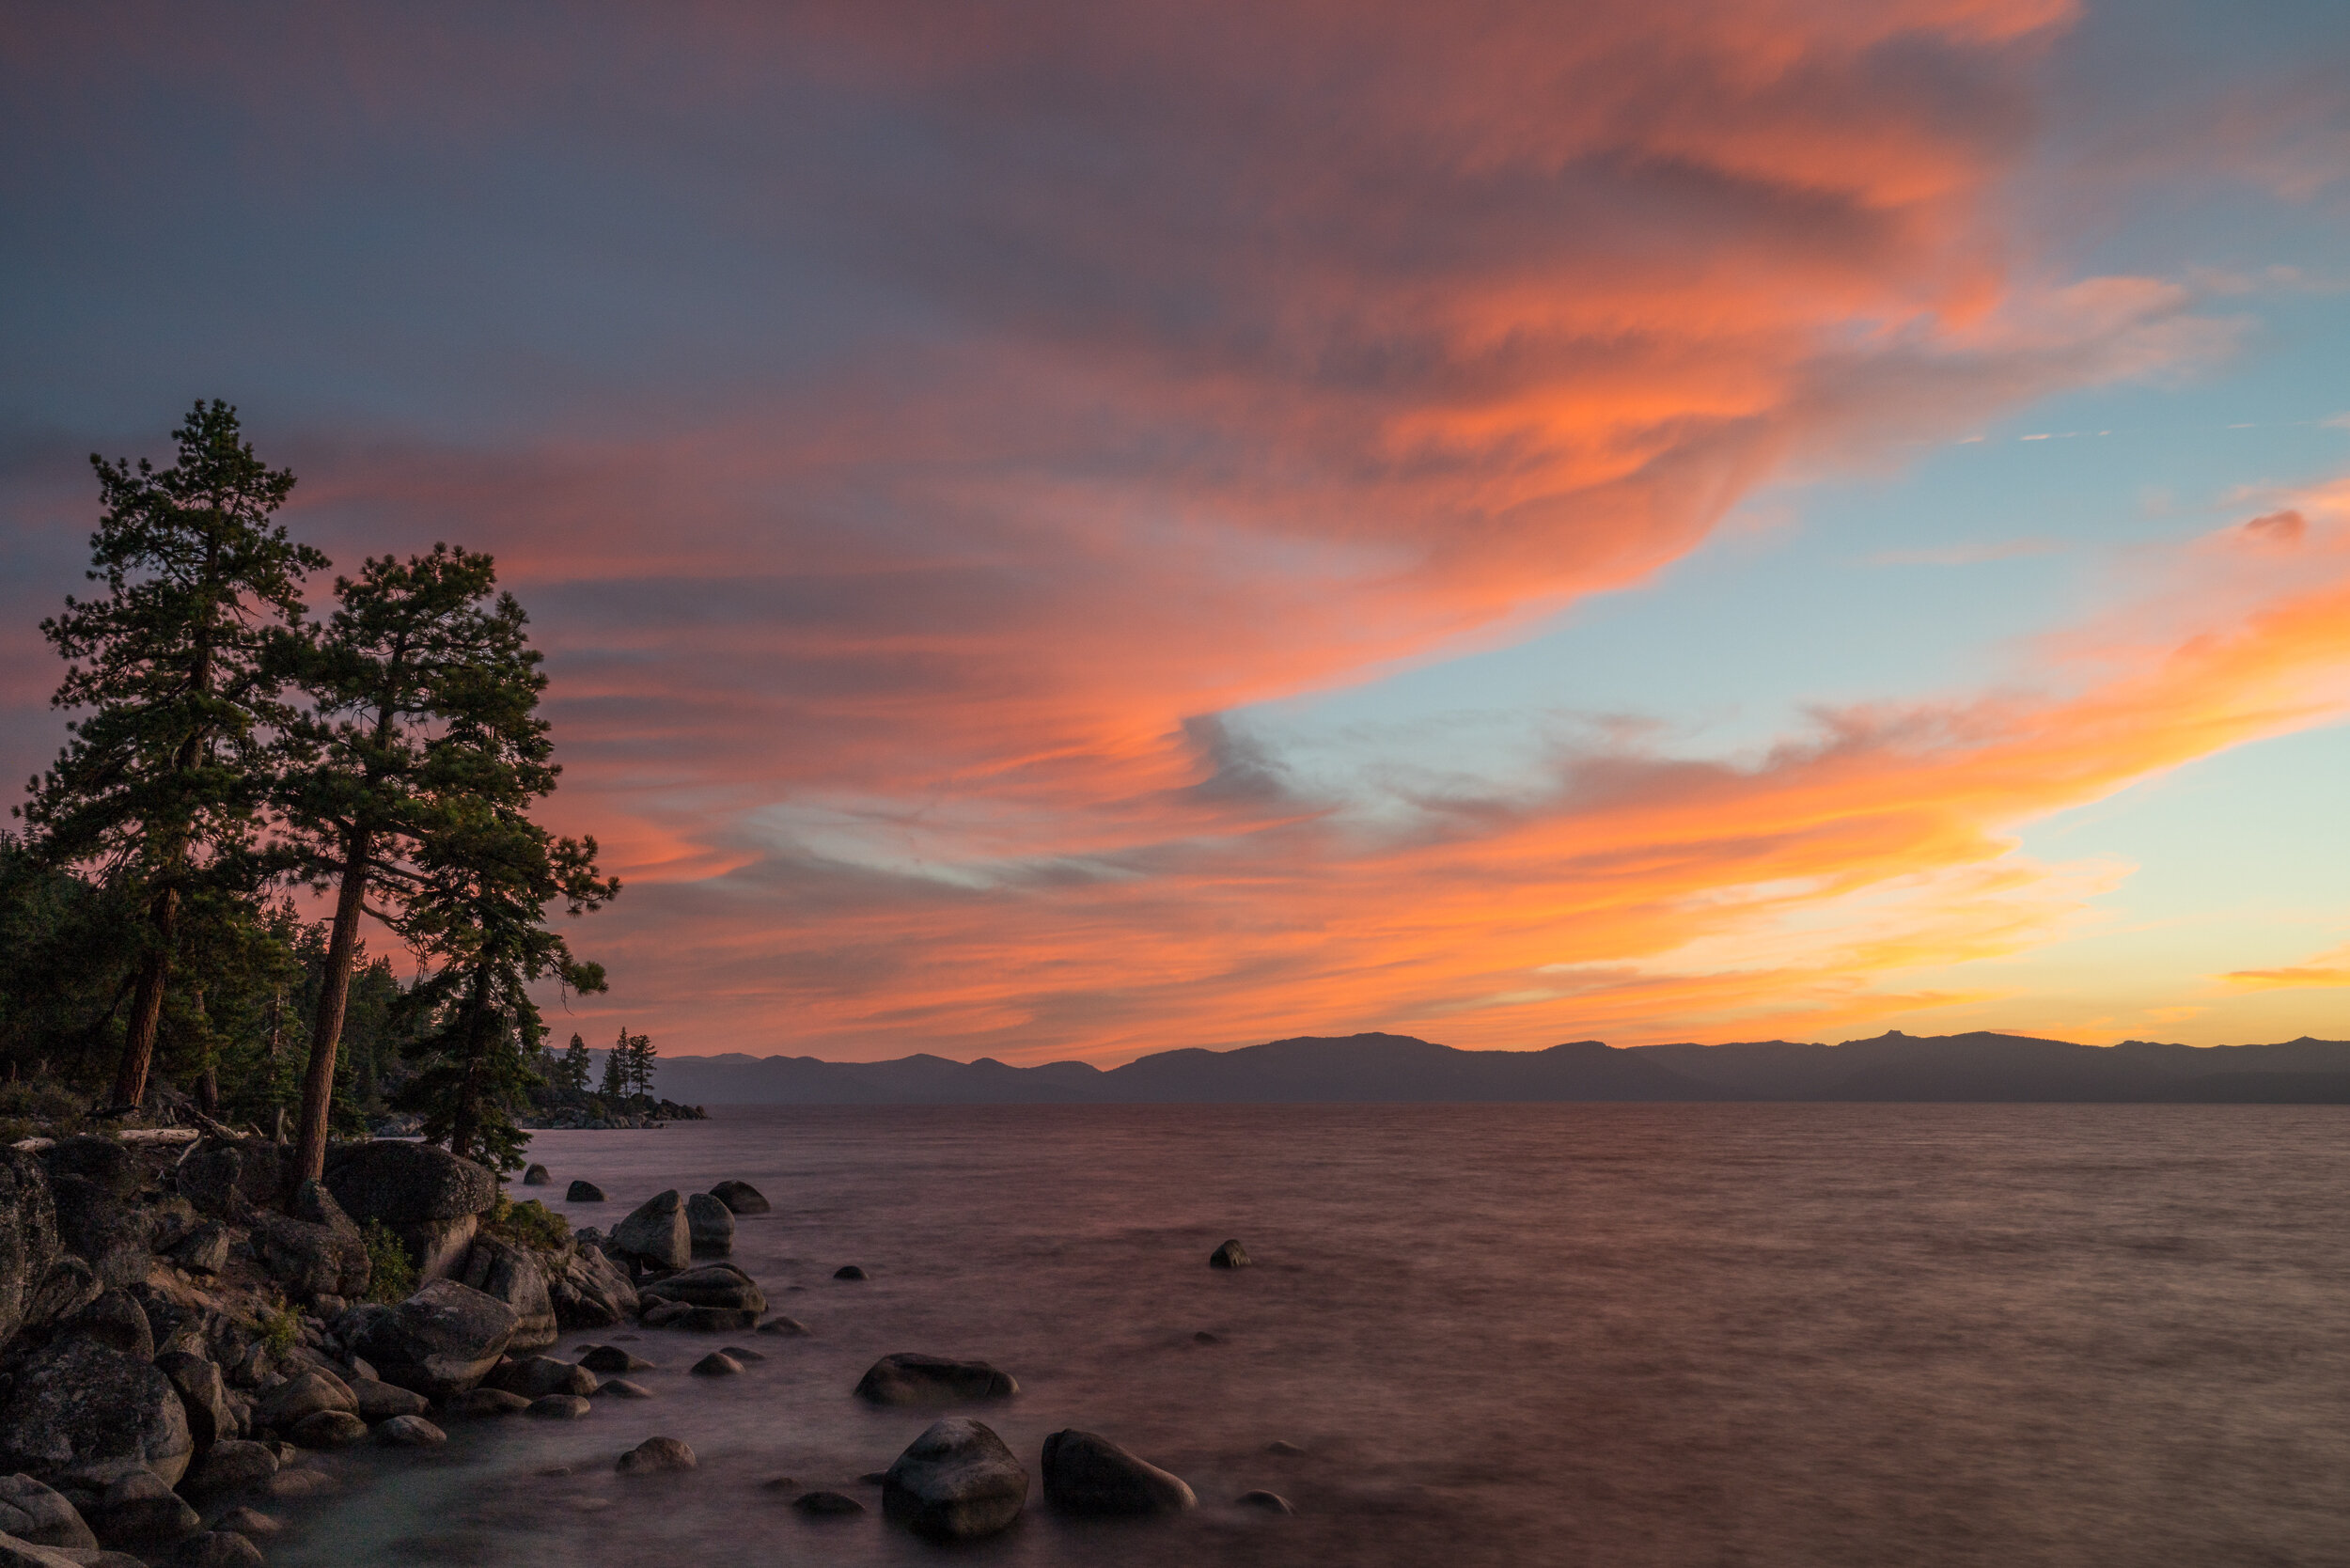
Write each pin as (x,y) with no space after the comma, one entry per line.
(595,1115)
(959,1481)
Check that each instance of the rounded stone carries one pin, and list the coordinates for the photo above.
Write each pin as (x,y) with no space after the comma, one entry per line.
(826,1504)
(656,1454)
(957,1482)
(743,1198)
(716,1364)
(583,1192)
(1230,1255)
(328,1429)
(561,1407)
(1271,1502)
(848,1271)
(1086,1473)
(536,1176)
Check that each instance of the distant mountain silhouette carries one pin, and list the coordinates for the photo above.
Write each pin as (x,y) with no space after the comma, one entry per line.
(1394,1068)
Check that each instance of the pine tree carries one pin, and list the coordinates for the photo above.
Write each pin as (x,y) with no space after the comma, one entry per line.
(415,649)
(615,1085)
(163,777)
(640,1059)
(574,1068)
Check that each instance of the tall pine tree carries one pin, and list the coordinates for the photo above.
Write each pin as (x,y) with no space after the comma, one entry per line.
(162,782)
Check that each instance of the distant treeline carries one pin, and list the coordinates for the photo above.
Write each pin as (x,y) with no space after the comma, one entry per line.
(223,749)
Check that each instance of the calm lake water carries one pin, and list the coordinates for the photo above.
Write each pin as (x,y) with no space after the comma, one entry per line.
(1618,1335)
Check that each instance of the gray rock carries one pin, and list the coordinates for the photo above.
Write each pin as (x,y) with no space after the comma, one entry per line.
(848,1271)
(31,1512)
(716,1364)
(107,1232)
(583,1192)
(655,1455)
(1085,1473)
(957,1482)
(536,1176)
(655,1233)
(908,1378)
(28,1236)
(559,1407)
(384,1402)
(76,1402)
(100,1161)
(488,1402)
(590,1291)
(1269,1502)
(141,1509)
(232,1465)
(826,1504)
(723,1297)
(68,1286)
(117,1321)
(328,1429)
(313,1250)
(740,1354)
(743,1198)
(428,1198)
(1285,1448)
(709,1226)
(290,1484)
(203,1394)
(612,1358)
(537,1376)
(1230,1255)
(792,1327)
(225,1177)
(410,1432)
(251,1523)
(621,1388)
(203,1250)
(216,1548)
(439,1341)
(512,1275)
(25,1554)
(303,1395)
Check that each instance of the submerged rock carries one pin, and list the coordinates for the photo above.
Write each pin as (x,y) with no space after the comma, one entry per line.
(537,1176)
(741,1196)
(848,1271)
(438,1342)
(1269,1502)
(655,1234)
(716,1364)
(826,1504)
(216,1548)
(559,1407)
(710,1225)
(957,1482)
(488,1402)
(654,1455)
(1086,1473)
(249,1522)
(620,1388)
(792,1327)
(1230,1255)
(612,1358)
(909,1378)
(721,1297)
(537,1376)
(583,1192)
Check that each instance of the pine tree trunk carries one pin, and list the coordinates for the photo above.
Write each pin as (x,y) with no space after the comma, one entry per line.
(461,1125)
(146,1006)
(342,945)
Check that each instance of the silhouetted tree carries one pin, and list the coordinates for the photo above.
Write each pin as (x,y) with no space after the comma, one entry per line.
(573,1078)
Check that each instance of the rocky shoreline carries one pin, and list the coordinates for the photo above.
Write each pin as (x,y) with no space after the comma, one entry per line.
(177,1347)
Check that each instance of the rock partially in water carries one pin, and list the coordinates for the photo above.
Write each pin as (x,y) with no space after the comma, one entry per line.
(328,1429)
(957,1482)
(848,1271)
(622,1388)
(232,1465)
(583,1192)
(655,1233)
(827,1504)
(1270,1502)
(216,1548)
(561,1407)
(31,1512)
(536,1176)
(1286,1449)
(512,1273)
(743,1198)
(716,1285)
(140,1508)
(710,1225)
(410,1432)
(487,1401)
(303,1395)
(591,1291)
(1230,1255)
(428,1198)
(251,1523)
(740,1353)
(716,1364)
(655,1455)
(537,1376)
(1086,1473)
(288,1484)
(792,1327)
(76,1402)
(439,1342)
(910,1378)
(384,1402)
(612,1358)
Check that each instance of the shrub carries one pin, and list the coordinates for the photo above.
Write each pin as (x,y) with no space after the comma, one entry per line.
(281,1330)
(391,1276)
(530,1224)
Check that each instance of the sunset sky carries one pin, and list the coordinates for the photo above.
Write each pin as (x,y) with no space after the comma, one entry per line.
(1067,530)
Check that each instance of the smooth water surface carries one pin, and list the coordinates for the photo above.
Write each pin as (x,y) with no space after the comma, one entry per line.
(1803,1335)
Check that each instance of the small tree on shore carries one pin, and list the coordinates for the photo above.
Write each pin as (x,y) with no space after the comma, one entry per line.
(574,1067)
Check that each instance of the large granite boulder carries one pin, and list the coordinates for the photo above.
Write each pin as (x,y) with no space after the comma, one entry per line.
(537,1376)
(231,1465)
(76,1402)
(314,1248)
(718,1296)
(297,1398)
(31,1512)
(957,1482)
(583,1192)
(1088,1474)
(224,1177)
(741,1196)
(907,1378)
(512,1273)
(102,1161)
(135,1507)
(203,1394)
(537,1176)
(216,1548)
(438,1342)
(590,1291)
(382,1401)
(655,1233)
(428,1197)
(28,1236)
(118,1322)
(709,1226)
(103,1228)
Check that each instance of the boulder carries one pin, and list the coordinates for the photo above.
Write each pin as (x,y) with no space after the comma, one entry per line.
(488,1402)
(708,1225)
(536,1176)
(957,1482)
(826,1504)
(791,1326)
(76,1402)
(655,1234)
(512,1273)
(537,1376)
(301,1397)
(384,1402)
(621,1388)
(410,1432)
(313,1249)
(848,1271)
(216,1548)
(24,1554)
(107,1232)
(1085,1473)
(31,1512)
(232,1465)
(654,1455)
(740,1353)
(118,1322)
(716,1364)
(559,1407)
(328,1429)
(28,1236)
(612,1358)
(741,1196)
(140,1508)
(100,1161)
(204,1249)
(1268,1502)
(590,1291)
(1230,1255)
(733,1300)
(251,1523)
(428,1197)
(438,1342)
(203,1394)
(583,1192)
(68,1286)
(225,1177)
(907,1378)
(290,1484)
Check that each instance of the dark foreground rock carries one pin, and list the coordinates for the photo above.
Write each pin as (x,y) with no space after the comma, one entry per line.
(537,1376)
(908,1378)
(1230,1255)
(537,1176)
(654,1455)
(31,1512)
(612,1358)
(583,1192)
(216,1548)
(512,1275)
(721,1297)
(428,1197)
(826,1504)
(438,1342)
(743,1198)
(232,1465)
(708,1225)
(957,1482)
(590,1291)
(793,1327)
(848,1271)
(1268,1502)
(654,1235)
(1086,1473)
(718,1364)
(78,1403)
